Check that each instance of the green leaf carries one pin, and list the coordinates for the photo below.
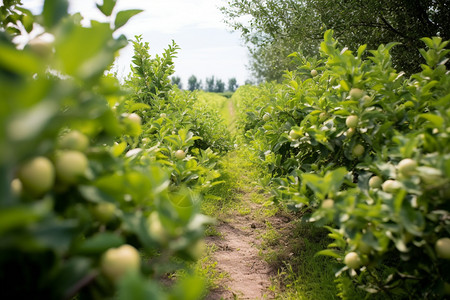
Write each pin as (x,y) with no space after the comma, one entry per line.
(100,243)
(118,149)
(107,7)
(328,252)
(56,234)
(94,194)
(123,17)
(54,11)
(134,286)
(84,52)
(17,61)
(435,119)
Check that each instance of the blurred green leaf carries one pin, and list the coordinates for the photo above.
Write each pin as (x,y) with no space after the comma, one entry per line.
(54,11)
(123,17)
(20,62)
(107,7)
(134,286)
(99,243)
(328,252)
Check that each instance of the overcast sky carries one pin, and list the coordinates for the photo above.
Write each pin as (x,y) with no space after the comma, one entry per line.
(207,45)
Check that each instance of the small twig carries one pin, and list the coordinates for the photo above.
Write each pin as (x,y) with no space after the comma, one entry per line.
(80,284)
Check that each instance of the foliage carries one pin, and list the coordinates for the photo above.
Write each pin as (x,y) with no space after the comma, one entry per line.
(232,84)
(176,80)
(273,29)
(194,83)
(126,182)
(320,163)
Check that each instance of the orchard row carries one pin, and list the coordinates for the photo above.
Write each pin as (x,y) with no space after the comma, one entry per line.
(101,181)
(354,145)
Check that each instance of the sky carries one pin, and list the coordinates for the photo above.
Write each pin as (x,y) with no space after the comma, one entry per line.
(208,47)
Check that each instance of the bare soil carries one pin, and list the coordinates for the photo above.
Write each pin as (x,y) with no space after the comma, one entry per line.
(238,255)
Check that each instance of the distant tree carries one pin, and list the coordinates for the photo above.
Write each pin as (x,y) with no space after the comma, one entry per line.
(248,82)
(220,86)
(176,80)
(279,27)
(232,84)
(193,83)
(210,84)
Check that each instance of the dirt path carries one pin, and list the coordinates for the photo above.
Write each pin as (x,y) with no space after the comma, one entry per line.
(237,255)
(239,240)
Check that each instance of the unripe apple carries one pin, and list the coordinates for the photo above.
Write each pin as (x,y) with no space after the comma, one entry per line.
(314,73)
(116,262)
(352,121)
(407,167)
(180,154)
(375,182)
(293,135)
(104,212)
(16,187)
(74,140)
(163,115)
(391,186)
(156,228)
(37,175)
(328,203)
(358,150)
(70,165)
(442,248)
(352,260)
(350,132)
(366,98)
(135,118)
(266,117)
(356,93)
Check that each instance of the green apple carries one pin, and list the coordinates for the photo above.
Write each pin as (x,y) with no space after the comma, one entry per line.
(70,166)
(358,150)
(350,132)
(266,117)
(391,186)
(314,73)
(352,121)
(116,262)
(356,93)
(135,118)
(156,228)
(104,212)
(328,203)
(37,175)
(16,187)
(293,135)
(74,140)
(442,248)
(352,260)
(375,182)
(407,167)
(180,154)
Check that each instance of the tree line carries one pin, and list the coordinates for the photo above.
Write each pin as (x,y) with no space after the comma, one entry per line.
(212,84)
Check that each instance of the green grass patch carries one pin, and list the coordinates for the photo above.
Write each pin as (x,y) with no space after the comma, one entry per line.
(302,274)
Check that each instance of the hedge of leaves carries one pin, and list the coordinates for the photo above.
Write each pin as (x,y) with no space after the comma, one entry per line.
(100,181)
(359,148)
